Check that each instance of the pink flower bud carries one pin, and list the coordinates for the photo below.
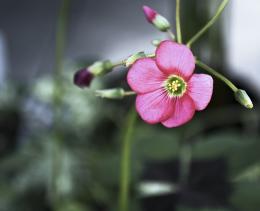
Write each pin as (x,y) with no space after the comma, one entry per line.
(149,13)
(160,22)
(83,78)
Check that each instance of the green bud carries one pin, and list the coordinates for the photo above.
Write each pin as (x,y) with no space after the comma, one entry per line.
(101,67)
(243,98)
(156,42)
(161,23)
(131,59)
(115,93)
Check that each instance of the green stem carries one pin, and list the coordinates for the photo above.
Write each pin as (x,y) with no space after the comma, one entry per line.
(128,93)
(170,33)
(123,62)
(178,22)
(185,163)
(209,24)
(150,55)
(125,161)
(57,100)
(119,63)
(217,74)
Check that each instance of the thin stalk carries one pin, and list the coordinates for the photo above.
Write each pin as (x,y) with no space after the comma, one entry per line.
(178,22)
(171,35)
(126,161)
(57,100)
(128,93)
(217,74)
(123,62)
(209,24)
(151,55)
(119,63)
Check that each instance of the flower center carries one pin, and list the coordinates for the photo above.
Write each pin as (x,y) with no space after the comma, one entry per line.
(175,86)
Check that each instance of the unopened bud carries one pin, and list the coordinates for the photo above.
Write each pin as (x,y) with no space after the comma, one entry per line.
(160,22)
(83,78)
(243,98)
(101,67)
(131,59)
(115,93)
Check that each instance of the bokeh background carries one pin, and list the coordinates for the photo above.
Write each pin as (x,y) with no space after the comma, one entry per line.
(60,146)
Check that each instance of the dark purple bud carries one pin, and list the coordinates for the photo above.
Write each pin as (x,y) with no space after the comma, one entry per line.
(83,78)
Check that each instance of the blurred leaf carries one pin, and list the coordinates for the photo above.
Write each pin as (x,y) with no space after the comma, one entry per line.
(183,208)
(73,206)
(230,146)
(217,145)
(155,143)
(246,196)
(251,174)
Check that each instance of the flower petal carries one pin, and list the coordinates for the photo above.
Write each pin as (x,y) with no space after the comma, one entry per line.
(144,76)
(149,13)
(154,107)
(200,88)
(184,110)
(174,58)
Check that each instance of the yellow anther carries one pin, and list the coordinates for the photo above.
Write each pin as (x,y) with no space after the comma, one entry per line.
(174,85)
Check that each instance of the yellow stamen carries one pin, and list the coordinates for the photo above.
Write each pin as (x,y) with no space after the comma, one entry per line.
(173,86)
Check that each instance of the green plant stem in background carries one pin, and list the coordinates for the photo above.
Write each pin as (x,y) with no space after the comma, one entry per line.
(126,161)
(57,101)
(185,158)
(178,22)
(217,74)
(129,93)
(209,24)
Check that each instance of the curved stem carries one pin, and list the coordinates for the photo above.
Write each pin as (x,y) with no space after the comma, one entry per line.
(178,22)
(125,161)
(209,24)
(217,74)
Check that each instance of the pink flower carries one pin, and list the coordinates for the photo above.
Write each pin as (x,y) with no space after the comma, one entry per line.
(167,89)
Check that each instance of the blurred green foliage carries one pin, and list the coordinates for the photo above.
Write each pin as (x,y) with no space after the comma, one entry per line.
(90,151)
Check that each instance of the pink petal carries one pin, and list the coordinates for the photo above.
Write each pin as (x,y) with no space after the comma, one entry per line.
(200,88)
(184,110)
(149,13)
(154,107)
(174,58)
(144,76)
